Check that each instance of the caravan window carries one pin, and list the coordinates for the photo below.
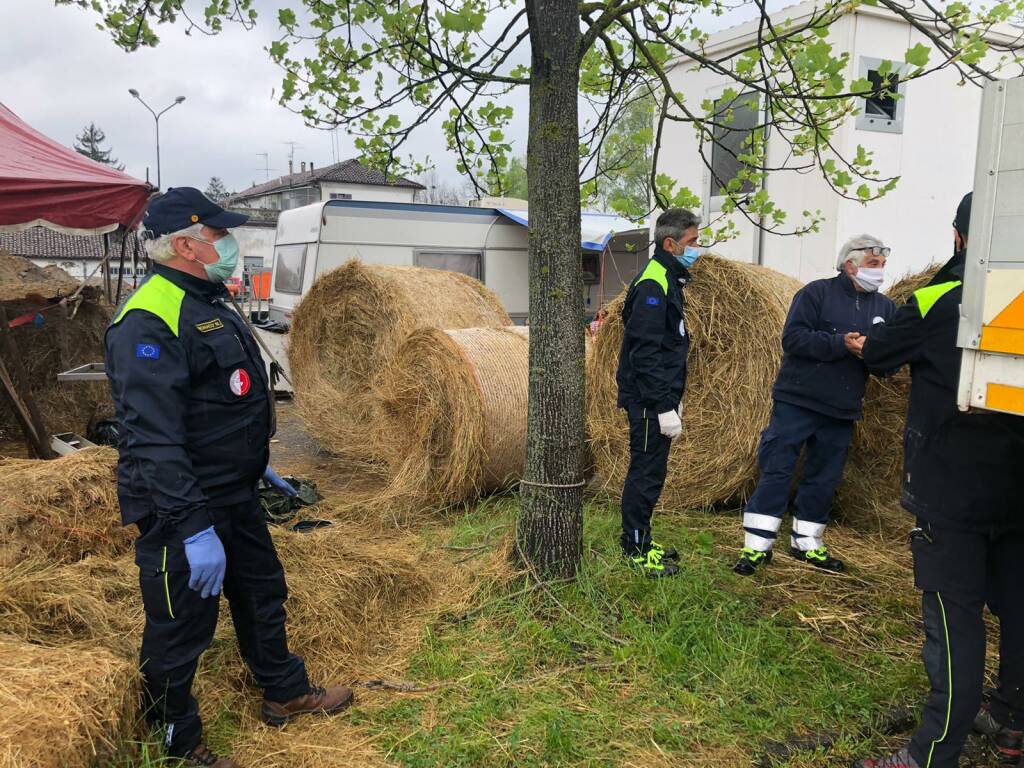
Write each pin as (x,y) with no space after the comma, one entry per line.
(291,264)
(466,262)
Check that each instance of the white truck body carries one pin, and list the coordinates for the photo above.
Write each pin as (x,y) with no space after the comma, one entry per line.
(991,329)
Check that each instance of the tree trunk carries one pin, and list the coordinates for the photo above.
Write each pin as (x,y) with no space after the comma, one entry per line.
(550,527)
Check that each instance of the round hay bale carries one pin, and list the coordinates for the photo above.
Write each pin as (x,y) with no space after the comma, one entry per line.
(96,599)
(454,404)
(869,496)
(64,707)
(61,510)
(346,330)
(734,313)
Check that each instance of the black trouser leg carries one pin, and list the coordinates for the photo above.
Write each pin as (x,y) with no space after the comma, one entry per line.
(256,591)
(1006,602)
(179,627)
(950,569)
(827,449)
(648,464)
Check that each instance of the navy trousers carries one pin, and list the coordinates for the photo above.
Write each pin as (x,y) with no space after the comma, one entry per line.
(827,442)
(180,623)
(959,573)
(648,464)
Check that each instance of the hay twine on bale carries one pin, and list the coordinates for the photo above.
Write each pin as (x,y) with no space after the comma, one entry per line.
(347,329)
(869,497)
(734,315)
(66,707)
(61,510)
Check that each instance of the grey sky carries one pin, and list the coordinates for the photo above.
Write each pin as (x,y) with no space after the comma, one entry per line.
(59,72)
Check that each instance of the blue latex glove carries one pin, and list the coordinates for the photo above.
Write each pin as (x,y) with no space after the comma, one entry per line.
(278,482)
(206,561)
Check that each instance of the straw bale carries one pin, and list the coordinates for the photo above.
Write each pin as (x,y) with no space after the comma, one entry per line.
(869,496)
(454,404)
(96,599)
(734,313)
(346,330)
(61,510)
(345,587)
(63,707)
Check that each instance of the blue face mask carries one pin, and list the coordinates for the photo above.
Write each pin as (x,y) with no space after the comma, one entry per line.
(227,260)
(689,256)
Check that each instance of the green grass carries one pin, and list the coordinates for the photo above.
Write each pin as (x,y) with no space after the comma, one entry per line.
(699,669)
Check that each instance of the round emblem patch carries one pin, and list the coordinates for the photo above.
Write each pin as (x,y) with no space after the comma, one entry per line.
(240,382)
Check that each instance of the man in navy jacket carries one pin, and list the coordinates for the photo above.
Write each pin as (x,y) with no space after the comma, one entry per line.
(818,396)
(652,378)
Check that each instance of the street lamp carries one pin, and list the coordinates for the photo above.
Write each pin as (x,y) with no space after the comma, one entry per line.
(156,117)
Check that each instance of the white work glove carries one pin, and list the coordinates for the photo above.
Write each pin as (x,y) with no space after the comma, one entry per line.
(671,425)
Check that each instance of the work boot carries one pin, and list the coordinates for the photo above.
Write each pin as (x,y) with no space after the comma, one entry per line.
(321,701)
(207,758)
(1007,742)
(651,565)
(750,560)
(819,558)
(901,759)
(667,553)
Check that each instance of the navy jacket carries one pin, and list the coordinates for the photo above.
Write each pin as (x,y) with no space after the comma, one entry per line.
(817,372)
(655,344)
(191,396)
(960,470)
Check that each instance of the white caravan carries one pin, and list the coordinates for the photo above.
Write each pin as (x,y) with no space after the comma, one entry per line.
(490,244)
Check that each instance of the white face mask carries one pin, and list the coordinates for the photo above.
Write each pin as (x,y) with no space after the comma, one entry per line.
(870,278)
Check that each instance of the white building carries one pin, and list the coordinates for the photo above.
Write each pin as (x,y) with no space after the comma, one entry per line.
(927,138)
(78,255)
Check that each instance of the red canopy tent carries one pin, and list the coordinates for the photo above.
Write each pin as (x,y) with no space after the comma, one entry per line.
(43,183)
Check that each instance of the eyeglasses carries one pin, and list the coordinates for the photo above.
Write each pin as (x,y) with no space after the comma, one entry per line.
(877,250)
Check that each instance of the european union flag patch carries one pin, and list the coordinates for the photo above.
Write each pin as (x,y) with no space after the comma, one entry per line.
(653,301)
(148,351)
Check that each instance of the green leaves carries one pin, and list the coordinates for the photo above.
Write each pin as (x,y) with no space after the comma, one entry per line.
(918,55)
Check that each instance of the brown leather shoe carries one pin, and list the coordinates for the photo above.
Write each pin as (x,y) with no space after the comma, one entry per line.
(206,758)
(322,701)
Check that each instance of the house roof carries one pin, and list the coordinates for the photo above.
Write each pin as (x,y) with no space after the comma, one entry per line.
(43,243)
(347,172)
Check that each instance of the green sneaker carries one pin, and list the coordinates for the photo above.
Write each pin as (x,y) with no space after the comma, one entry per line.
(652,565)
(750,560)
(819,558)
(667,553)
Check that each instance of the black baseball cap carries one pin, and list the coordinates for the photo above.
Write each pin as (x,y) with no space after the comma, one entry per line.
(181,207)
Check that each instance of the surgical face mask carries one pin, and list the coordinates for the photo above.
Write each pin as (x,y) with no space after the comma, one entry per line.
(227,259)
(689,256)
(870,278)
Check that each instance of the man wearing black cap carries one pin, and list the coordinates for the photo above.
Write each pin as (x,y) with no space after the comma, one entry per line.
(962,479)
(196,411)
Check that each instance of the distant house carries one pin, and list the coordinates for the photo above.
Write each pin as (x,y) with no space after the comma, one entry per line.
(347,180)
(78,255)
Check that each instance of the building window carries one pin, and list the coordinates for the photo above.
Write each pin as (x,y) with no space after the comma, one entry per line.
(340,196)
(736,119)
(296,198)
(289,265)
(467,262)
(883,109)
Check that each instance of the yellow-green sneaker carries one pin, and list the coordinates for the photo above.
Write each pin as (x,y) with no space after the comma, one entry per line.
(667,553)
(652,565)
(750,560)
(819,558)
